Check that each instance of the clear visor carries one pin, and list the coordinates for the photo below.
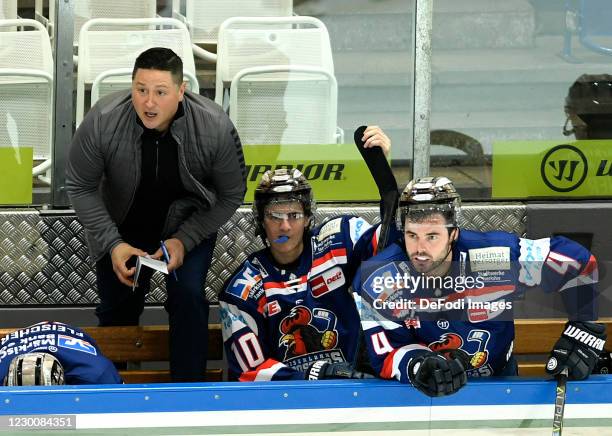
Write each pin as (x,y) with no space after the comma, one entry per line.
(440,214)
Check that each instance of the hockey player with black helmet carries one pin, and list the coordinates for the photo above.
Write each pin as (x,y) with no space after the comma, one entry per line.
(448,314)
(588,107)
(53,353)
(287,312)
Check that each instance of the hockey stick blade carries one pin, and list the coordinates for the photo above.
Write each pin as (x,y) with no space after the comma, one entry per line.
(385,182)
(557,427)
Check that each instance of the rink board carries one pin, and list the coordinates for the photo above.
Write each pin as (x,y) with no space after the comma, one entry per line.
(508,405)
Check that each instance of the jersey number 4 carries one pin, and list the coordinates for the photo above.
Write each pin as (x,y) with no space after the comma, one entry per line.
(381,343)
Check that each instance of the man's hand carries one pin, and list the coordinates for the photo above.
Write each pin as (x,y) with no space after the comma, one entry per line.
(120,255)
(176,251)
(323,370)
(577,349)
(435,375)
(373,136)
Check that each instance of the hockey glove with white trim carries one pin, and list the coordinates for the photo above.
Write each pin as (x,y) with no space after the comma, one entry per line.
(323,370)
(435,375)
(577,349)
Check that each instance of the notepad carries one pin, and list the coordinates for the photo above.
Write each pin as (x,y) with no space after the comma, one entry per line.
(157,265)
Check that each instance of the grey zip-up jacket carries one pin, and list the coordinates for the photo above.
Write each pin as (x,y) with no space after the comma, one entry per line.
(104,163)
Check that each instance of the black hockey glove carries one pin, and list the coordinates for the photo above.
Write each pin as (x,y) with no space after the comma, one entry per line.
(577,349)
(604,363)
(323,370)
(435,375)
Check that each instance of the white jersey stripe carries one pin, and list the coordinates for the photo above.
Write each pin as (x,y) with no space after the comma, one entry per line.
(268,373)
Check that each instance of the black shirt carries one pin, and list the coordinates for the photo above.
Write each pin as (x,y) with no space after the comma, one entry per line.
(160,185)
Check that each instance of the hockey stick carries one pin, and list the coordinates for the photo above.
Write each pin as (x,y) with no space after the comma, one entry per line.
(385,181)
(557,426)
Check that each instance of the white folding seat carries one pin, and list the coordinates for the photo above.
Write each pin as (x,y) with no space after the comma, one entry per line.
(204,17)
(8,10)
(26,90)
(257,42)
(285,105)
(102,49)
(85,10)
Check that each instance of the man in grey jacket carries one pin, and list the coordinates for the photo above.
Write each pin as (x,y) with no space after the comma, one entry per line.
(159,164)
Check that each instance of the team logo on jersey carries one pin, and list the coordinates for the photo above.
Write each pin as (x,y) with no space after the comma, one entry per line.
(76,344)
(301,333)
(449,342)
(250,279)
(327,282)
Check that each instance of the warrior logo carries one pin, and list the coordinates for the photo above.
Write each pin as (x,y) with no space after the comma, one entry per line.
(301,336)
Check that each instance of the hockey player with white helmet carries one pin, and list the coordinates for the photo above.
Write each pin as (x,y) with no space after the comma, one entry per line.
(53,353)
(448,314)
(287,312)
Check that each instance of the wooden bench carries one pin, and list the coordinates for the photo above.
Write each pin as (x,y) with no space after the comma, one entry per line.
(139,344)
(537,337)
(534,338)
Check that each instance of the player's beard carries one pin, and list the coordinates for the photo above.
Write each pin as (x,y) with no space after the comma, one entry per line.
(438,267)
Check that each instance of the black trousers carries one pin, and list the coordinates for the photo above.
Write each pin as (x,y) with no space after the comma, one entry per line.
(186,305)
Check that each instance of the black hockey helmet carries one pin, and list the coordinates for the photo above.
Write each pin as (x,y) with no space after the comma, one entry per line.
(282,186)
(426,196)
(588,106)
(35,369)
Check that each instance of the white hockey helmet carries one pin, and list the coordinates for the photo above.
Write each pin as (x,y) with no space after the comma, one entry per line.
(35,369)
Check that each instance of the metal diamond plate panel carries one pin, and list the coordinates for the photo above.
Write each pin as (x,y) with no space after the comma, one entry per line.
(44,260)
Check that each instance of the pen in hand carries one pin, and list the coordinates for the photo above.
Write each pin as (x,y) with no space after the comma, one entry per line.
(167,258)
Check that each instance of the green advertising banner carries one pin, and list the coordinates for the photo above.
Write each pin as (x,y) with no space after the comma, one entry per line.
(335,171)
(15,175)
(523,169)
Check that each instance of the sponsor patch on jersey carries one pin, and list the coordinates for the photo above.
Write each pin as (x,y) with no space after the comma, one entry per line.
(496,258)
(318,248)
(272,308)
(248,279)
(327,282)
(358,226)
(331,228)
(76,344)
(533,254)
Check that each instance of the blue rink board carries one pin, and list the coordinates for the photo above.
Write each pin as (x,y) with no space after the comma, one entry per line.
(306,407)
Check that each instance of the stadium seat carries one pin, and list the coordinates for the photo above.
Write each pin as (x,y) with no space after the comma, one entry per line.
(102,49)
(203,17)
(269,41)
(85,10)
(590,20)
(26,90)
(8,10)
(285,105)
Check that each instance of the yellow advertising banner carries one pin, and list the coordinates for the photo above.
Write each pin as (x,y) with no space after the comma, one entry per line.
(335,171)
(523,169)
(15,175)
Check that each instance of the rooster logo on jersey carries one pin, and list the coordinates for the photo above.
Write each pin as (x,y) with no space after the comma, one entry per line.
(452,341)
(301,337)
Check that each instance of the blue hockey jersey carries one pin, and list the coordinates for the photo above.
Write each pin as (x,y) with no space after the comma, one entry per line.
(276,323)
(78,353)
(477,319)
